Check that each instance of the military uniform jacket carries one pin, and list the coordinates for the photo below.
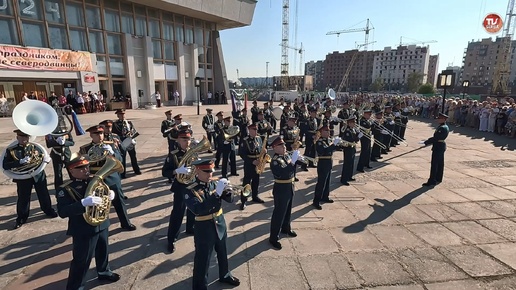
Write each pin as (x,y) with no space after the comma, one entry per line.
(397,115)
(222,140)
(438,140)
(250,149)
(283,119)
(69,206)
(350,135)
(324,148)
(312,126)
(171,164)
(14,154)
(303,121)
(201,199)
(330,124)
(207,121)
(282,167)
(121,130)
(366,126)
(115,139)
(166,124)
(57,150)
(218,129)
(254,114)
(289,135)
(267,113)
(404,116)
(263,127)
(95,166)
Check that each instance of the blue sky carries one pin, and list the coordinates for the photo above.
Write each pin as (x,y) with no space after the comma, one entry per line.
(450,22)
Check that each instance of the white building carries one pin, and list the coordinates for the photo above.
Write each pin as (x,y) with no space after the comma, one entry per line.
(393,66)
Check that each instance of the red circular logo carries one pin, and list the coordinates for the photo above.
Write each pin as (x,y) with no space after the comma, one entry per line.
(493,23)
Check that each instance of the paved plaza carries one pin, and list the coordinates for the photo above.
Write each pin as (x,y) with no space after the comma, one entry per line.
(383,232)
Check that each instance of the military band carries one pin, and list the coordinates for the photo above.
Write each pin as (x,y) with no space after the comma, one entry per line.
(249,151)
(59,143)
(167,126)
(325,149)
(208,124)
(125,129)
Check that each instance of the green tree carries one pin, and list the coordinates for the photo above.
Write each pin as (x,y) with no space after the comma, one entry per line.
(414,80)
(377,85)
(426,89)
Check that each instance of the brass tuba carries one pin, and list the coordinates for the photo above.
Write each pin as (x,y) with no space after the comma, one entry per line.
(95,215)
(190,156)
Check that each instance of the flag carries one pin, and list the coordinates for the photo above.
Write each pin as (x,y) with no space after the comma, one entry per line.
(233,101)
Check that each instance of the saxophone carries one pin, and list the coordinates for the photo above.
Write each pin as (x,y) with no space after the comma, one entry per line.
(190,156)
(263,158)
(95,215)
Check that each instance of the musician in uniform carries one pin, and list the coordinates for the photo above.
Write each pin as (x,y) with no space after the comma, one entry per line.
(228,150)
(329,122)
(21,154)
(167,126)
(170,170)
(242,122)
(325,149)
(283,167)
(219,125)
(344,114)
(389,125)
(113,180)
(204,198)
(249,151)
(396,113)
(125,129)
(254,112)
(267,112)
(59,153)
(291,134)
(310,136)
(438,148)
(378,133)
(351,137)
(284,117)
(208,124)
(87,241)
(365,141)
(109,136)
(263,126)
(404,120)
(302,122)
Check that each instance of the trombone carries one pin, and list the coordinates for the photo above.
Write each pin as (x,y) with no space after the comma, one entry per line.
(390,133)
(403,125)
(365,132)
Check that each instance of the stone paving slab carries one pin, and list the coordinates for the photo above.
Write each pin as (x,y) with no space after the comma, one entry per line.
(384,232)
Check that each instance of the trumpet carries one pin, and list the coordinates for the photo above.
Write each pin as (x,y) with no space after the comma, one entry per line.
(245,190)
(344,143)
(306,159)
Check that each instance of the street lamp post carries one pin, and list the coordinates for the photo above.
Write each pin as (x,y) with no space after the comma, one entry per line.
(465,85)
(445,80)
(198,85)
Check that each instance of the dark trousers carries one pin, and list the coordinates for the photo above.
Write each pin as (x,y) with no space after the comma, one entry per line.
(273,123)
(402,131)
(84,248)
(119,205)
(176,217)
(365,153)
(436,167)
(206,240)
(252,178)
(386,141)
(283,194)
(24,189)
(159,103)
(228,155)
(218,154)
(322,188)
(57,164)
(309,148)
(211,137)
(347,166)
(396,133)
(377,151)
(134,162)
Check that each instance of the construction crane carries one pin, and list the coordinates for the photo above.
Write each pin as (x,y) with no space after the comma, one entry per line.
(344,82)
(417,42)
(503,67)
(367,29)
(284,44)
(301,52)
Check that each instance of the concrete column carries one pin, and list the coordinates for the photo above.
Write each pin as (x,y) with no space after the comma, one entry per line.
(130,69)
(181,72)
(220,78)
(148,70)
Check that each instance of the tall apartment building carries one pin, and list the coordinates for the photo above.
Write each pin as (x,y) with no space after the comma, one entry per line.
(393,66)
(433,67)
(336,64)
(479,64)
(316,70)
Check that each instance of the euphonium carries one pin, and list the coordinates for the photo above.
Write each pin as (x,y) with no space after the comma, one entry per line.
(97,153)
(95,215)
(231,132)
(190,156)
(263,158)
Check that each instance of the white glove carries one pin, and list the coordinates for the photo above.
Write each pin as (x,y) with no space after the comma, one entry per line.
(91,201)
(60,140)
(108,148)
(183,170)
(111,195)
(25,160)
(392,122)
(397,114)
(221,185)
(226,142)
(47,159)
(337,140)
(360,135)
(385,132)
(295,156)
(422,142)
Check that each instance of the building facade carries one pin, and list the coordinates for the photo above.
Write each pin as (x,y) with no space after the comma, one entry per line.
(336,64)
(132,48)
(316,70)
(433,68)
(256,82)
(393,66)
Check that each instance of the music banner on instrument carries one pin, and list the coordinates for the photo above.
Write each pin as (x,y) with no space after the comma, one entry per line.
(22,58)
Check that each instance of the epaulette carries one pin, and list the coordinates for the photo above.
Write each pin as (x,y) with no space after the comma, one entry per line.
(192,186)
(13,146)
(108,142)
(275,157)
(174,151)
(83,148)
(246,138)
(66,183)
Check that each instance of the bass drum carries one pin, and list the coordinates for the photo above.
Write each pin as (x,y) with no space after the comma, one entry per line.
(128,144)
(277,112)
(25,175)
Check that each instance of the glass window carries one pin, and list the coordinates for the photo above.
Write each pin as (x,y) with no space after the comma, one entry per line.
(111,4)
(95,2)
(96,42)
(114,44)
(168,31)
(6,7)
(179,19)
(188,21)
(141,26)
(92,17)
(78,39)
(127,23)
(9,34)
(154,28)
(209,54)
(58,37)
(34,34)
(207,37)
(53,11)
(30,9)
(112,20)
(74,14)
(139,10)
(189,35)
(200,52)
(156,47)
(199,36)
(101,65)
(179,33)
(126,7)
(169,50)
(167,16)
(116,66)
(152,13)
